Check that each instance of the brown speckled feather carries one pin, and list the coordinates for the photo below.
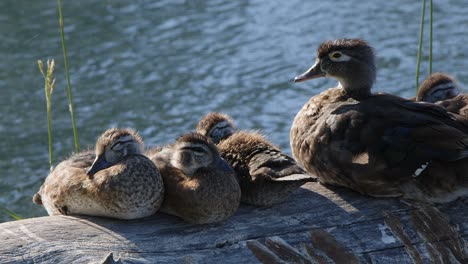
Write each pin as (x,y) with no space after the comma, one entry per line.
(457,105)
(266,175)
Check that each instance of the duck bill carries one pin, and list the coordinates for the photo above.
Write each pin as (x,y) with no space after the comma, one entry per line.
(99,163)
(224,166)
(312,73)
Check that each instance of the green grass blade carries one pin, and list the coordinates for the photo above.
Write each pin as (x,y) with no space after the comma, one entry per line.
(10,213)
(67,75)
(430,38)
(421,31)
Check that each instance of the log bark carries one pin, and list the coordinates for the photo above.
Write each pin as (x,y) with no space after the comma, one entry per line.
(317,224)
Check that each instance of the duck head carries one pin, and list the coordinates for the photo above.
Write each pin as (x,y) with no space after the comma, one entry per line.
(350,61)
(216,126)
(437,87)
(114,145)
(193,152)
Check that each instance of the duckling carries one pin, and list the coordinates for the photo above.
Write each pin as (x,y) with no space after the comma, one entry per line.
(437,87)
(116,181)
(377,144)
(442,89)
(266,175)
(200,186)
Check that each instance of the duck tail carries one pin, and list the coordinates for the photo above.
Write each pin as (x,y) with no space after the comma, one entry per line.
(37,199)
(296,177)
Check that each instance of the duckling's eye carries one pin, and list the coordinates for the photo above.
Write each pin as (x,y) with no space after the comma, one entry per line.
(196,150)
(117,146)
(199,151)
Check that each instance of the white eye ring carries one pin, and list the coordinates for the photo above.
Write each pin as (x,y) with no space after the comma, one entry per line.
(339,56)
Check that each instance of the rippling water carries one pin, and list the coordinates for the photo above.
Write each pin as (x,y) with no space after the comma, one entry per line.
(159,66)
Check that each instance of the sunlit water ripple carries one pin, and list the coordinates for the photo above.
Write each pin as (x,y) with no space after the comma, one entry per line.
(158,66)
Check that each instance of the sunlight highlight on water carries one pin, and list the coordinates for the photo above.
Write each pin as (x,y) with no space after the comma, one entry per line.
(158,66)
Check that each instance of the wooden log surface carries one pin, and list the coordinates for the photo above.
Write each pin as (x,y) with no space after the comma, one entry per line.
(317,224)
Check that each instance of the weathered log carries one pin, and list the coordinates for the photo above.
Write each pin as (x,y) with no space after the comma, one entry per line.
(315,225)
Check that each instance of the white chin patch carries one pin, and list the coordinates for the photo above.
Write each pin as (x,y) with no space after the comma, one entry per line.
(362,159)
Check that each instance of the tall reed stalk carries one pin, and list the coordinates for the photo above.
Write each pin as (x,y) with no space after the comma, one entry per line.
(67,75)
(421,31)
(49,85)
(430,37)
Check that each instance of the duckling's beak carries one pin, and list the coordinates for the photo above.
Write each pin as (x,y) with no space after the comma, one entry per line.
(99,163)
(312,73)
(224,166)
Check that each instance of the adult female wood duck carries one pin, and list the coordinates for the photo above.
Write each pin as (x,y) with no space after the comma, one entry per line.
(120,183)
(200,186)
(442,89)
(377,144)
(266,175)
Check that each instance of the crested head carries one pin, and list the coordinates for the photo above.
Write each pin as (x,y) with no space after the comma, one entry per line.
(437,87)
(358,46)
(216,126)
(350,61)
(113,145)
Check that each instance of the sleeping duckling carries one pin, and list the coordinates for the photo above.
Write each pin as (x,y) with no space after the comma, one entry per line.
(442,89)
(200,186)
(116,181)
(266,175)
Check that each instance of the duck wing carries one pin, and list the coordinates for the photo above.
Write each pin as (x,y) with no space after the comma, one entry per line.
(415,133)
(271,164)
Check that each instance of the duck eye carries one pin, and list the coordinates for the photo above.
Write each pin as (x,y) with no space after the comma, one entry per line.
(197,150)
(339,56)
(117,146)
(336,55)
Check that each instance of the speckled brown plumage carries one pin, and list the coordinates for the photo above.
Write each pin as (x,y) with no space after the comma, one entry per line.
(377,144)
(200,186)
(124,184)
(266,175)
(457,105)
(442,89)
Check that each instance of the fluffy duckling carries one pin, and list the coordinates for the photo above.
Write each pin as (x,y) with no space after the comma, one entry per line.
(266,175)
(437,87)
(200,186)
(377,144)
(442,89)
(116,181)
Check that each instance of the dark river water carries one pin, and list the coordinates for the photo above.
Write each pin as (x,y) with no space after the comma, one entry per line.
(159,66)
